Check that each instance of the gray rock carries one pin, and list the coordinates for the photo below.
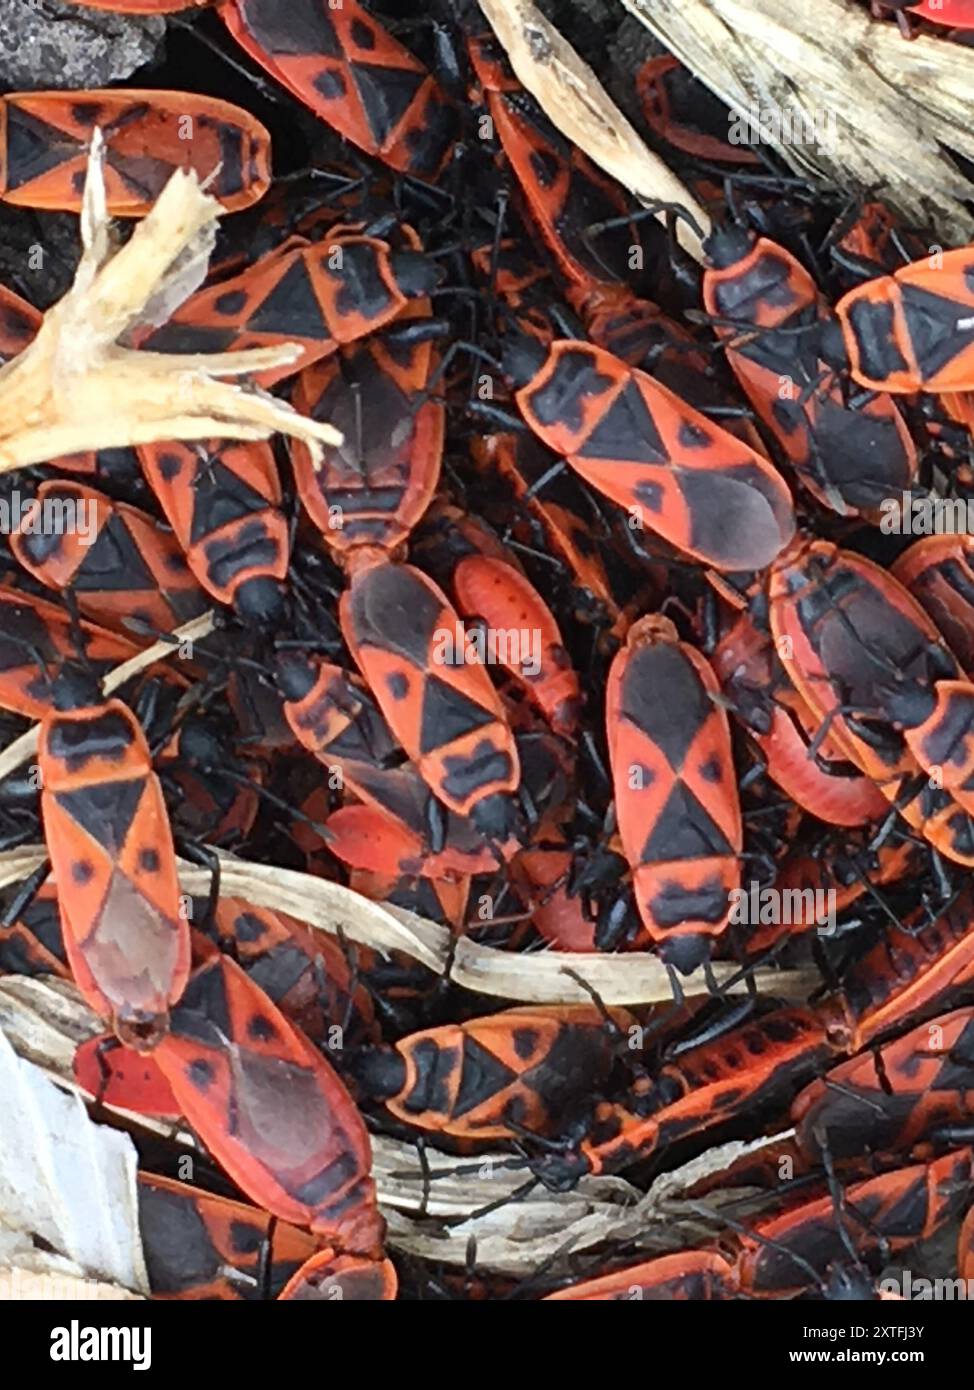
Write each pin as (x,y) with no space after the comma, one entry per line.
(48,43)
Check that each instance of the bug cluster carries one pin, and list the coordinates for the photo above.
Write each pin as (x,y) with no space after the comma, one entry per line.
(604,630)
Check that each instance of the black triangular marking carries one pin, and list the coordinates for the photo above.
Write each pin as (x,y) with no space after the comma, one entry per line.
(191,337)
(33,147)
(386,95)
(105,810)
(219,497)
(683,830)
(298,29)
(573,1063)
(481,1077)
(144,177)
(203,1012)
(933,321)
(626,432)
(447,715)
(114,563)
(291,309)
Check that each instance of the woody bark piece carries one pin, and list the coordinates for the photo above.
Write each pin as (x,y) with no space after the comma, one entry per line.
(573,98)
(78,388)
(883,114)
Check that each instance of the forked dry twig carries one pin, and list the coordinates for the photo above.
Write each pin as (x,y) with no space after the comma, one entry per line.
(78,388)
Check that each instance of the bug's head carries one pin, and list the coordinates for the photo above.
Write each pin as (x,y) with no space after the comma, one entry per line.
(202,745)
(75,687)
(727,245)
(686,953)
(379,1072)
(259,602)
(522,357)
(416,275)
(295,675)
(498,819)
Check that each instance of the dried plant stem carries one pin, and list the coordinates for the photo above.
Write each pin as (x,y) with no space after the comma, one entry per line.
(571,95)
(633,978)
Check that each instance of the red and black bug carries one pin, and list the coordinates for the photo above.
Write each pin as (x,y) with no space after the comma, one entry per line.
(864,655)
(352,73)
(552,514)
(200,1246)
(436,696)
(401,829)
(316,297)
(111,850)
(845,867)
(223,501)
(851,459)
(345,67)
(270,1108)
(497,595)
(305,973)
(757,1067)
(36,638)
(805,1247)
(676,472)
(888,1213)
(915,966)
(888,1099)
(565,193)
(749,1069)
(371,490)
(526,1070)
(503,611)
(120,564)
(910,331)
(767,704)
(147,135)
(939,573)
(670,102)
(676,798)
